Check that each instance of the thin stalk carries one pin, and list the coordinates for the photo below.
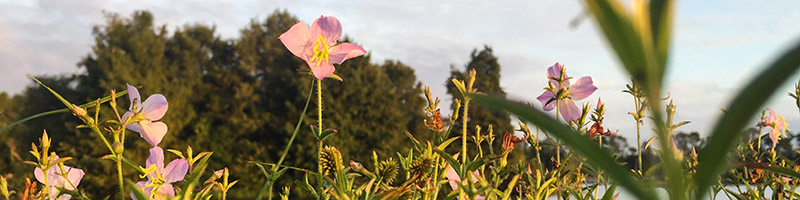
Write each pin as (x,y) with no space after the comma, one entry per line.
(119,175)
(464,130)
(464,142)
(558,145)
(271,182)
(638,106)
(319,142)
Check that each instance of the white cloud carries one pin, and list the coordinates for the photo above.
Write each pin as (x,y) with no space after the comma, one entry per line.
(717,45)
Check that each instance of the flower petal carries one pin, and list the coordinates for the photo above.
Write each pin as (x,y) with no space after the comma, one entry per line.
(39,174)
(774,135)
(74,176)
(175,170)
(344,51)
(582,89)
(153,132)
(327,27)
(155,107)
(322,70)
(452,177)
(143,186)
(134,127)
(544,98)
(134,97)
(569,111)
(555,72)
(165,190)
(156,158)
(296,39)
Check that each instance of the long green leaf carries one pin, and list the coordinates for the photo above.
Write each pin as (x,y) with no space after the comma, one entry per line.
(64,110)
(713,158)
(593,153)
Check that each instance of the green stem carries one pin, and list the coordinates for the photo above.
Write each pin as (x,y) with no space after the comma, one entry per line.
(271,182)
(558,145)
(319,142)
(464,130)
(464,142)
(639,145)
(638,106)
(119,175)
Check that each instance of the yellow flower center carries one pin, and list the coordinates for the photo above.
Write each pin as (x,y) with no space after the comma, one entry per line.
(320,51)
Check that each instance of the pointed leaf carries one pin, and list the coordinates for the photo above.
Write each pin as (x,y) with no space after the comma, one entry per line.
(729,128)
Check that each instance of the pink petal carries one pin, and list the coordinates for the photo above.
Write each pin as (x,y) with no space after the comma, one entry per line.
(771,116)
(165,190)
(155,107)
(452,177)
(175,170)
(39,174)
(555,72)
(773,135)
(544,98)
(153,132)
(322,70)
(344,51)
(327,27)
(142,185)
(134,127)
(133,96)
(74,176)
(569,111)
(297,39)
(582,89)
(156,158)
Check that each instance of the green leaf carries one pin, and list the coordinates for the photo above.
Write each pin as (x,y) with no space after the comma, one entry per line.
(589,149)
(713,159)
(609,195)
(414,141)
(64,110)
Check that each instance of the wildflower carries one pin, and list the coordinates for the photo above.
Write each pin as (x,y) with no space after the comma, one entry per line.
(561,93)
(454,179)
(160,178)
(317,46)
(597,128)
(153,108)
(59,177)
(777,124)
(509,140)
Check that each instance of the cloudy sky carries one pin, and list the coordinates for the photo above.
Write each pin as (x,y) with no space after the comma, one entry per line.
(717,46)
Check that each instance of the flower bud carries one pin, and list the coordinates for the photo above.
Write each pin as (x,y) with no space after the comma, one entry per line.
(118,148)
(80,112)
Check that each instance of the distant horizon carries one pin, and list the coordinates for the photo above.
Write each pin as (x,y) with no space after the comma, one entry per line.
(717,47)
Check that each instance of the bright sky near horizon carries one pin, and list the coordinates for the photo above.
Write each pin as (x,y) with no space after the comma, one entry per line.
(717,45)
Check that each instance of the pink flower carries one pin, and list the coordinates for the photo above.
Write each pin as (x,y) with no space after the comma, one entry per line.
(318,47)
(160,178)
(454,179)
(153,108)
(777,125)
(68,179)
(562,93)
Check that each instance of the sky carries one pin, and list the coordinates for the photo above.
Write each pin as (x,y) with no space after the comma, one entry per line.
(717,46)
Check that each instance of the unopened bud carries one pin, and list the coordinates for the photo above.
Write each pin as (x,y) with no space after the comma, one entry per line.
(80,112)
(118,148)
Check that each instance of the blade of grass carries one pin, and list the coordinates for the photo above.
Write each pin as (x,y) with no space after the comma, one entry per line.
(729,128)
(63,110)
(593,153)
